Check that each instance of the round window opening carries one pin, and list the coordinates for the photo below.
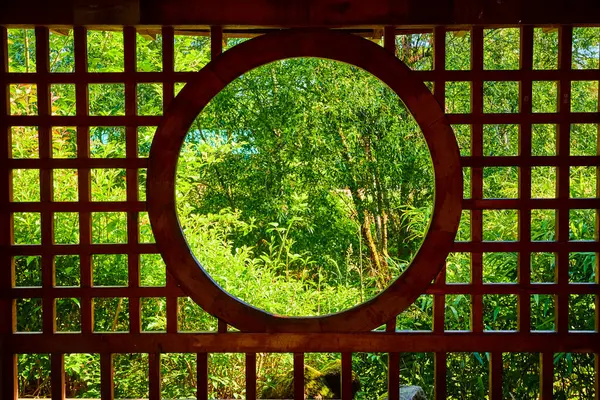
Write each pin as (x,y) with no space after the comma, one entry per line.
(305,187)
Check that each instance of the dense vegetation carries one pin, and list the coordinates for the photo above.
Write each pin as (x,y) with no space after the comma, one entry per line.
(304,188)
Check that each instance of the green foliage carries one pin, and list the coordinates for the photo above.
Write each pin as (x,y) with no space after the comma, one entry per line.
(318,384)
(467,376)
(304,171)
(21,53)
(105,51)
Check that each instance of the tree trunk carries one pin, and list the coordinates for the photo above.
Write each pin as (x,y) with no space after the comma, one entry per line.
(365,230)
(379,266)
(384,235)
(378,229)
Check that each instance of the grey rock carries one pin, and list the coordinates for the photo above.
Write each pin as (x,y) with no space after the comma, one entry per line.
(410,393)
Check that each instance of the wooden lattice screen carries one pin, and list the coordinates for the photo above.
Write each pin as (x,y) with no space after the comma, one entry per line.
(438,341)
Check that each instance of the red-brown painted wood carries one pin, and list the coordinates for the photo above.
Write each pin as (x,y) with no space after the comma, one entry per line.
(202,376)
(477,175)
(295,339)
(524,263)
(251,376)
(299,376)
(298,13)
(107,390)
(347,393)
(563,141)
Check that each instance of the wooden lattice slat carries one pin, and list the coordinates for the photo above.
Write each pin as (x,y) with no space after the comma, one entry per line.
(202,376)
(251,376)
(83,175)
(347,376)
(496,376)
(298,375)
(8,361)
(131,143)
(562,217)
(477,175)
(524,262)
(106,373)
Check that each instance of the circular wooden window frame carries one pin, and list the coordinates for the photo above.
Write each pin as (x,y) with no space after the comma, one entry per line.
(221,71)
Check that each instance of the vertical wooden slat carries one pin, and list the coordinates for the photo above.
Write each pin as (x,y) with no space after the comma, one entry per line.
(154,376)
(172,311)
(563,142)
(202,376)
(216,41)
(251,376)
(496,376)
(394,376)
(524,260)
(439,300)
(57,376)
(168,39)
(389,39)
(8,361)
(546,375)
(106,377)
(7,305)
(347,376)
(597,266)
(45,149)
(477,174)
(298,376)
(133,257)
(439,305)
(9,386)
(168,93)
(393,367)
(83,153)
(440,370)
(439,64)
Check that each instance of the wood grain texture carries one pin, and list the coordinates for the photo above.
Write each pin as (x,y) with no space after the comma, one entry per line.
(235,342)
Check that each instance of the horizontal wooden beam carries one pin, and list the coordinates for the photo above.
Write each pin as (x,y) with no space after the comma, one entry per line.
(166,291)
(300,342)
(180,76)
(299,13)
